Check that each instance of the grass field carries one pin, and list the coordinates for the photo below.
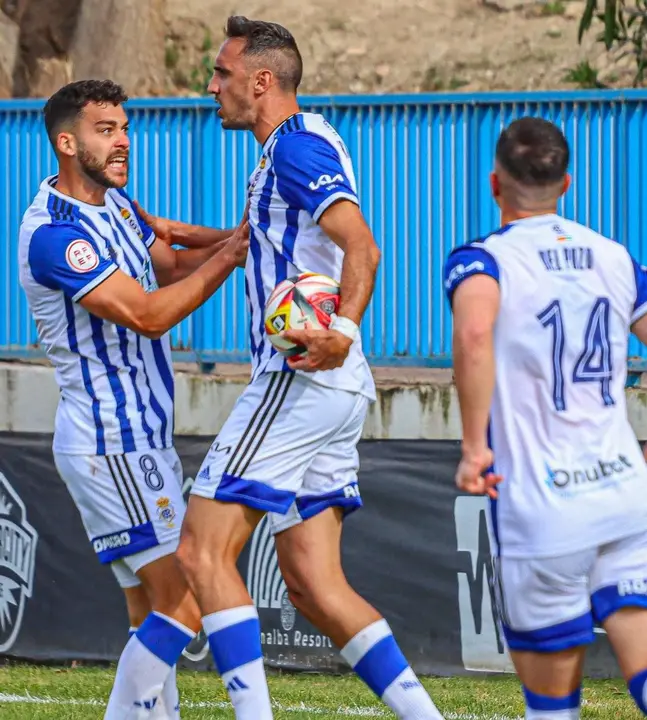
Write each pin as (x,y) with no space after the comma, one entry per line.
(36,693)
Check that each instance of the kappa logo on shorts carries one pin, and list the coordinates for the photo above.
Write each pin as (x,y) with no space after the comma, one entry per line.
(264,580)
(18,541)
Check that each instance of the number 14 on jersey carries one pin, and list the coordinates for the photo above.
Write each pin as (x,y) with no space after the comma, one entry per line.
(594,364)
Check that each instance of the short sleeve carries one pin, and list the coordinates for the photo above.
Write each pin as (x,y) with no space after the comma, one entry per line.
(131,216)
(66,258)
(640,306)
(466,261)
(310,174)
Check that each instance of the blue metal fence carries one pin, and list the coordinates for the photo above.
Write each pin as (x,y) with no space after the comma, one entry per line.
(422,163)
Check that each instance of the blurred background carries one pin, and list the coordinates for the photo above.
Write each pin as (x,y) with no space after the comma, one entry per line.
(164,47)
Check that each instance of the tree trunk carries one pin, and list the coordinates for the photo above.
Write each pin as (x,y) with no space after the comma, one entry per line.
(9,34)
(121,40)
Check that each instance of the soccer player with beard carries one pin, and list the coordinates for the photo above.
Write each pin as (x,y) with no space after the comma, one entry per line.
(104,292)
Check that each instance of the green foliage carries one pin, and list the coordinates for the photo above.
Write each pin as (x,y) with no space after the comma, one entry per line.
(201,74)
(624,26)
(584,76)
(557,7)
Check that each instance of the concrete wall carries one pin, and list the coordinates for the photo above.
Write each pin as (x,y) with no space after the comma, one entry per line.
(412,403)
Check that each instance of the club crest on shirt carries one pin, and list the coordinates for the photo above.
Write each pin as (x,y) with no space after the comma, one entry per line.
(166,511)
(128,217)
(255,177)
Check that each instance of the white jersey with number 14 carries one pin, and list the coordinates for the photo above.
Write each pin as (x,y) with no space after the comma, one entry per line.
(574,474)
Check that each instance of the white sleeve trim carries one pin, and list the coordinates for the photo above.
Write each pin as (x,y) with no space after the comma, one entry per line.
(150,239)
(332,199)
(639,312)
(93,283)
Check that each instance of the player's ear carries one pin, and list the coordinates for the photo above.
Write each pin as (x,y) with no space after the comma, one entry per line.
(567,184)
(263,81)
(66,144)
(495,185)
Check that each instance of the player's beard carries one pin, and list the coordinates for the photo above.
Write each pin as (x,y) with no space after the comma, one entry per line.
(95,169)
(237,117)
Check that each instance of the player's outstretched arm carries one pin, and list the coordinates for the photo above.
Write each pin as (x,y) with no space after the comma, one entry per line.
(174,232)
(121,300)
(475,305)
(173,265)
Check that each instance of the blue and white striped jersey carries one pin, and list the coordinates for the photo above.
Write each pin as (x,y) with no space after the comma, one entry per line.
(304,168)
(116,386)
(574,476)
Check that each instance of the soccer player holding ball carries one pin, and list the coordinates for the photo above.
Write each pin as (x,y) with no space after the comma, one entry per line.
(289,447)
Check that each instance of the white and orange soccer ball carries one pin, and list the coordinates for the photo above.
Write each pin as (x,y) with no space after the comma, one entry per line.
(302,302)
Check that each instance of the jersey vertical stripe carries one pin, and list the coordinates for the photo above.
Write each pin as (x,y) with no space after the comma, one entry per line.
(100,446)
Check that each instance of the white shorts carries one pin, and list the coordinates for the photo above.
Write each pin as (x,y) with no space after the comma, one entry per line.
(551,604)
(131,505)
(289,447)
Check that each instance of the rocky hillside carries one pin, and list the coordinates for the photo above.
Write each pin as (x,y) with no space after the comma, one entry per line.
(166,47)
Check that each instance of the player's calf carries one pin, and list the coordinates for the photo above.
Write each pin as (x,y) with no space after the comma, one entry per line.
(551,678)
(156,646)
(213,536)
(626,628)
(309,558)
(139,608)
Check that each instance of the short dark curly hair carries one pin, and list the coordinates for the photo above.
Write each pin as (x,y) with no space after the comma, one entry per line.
(272,41)
(534,152)
(66,105)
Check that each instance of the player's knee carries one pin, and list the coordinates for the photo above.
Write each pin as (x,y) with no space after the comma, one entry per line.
(638,690)
(199,560)
(310,595)
(189,557)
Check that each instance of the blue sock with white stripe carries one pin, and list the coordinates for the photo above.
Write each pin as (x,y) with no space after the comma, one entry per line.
(169,700)
(144,666)
(375,656)
(541,707)
(235,642)
(638,690)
